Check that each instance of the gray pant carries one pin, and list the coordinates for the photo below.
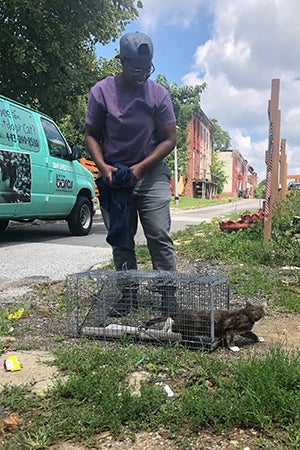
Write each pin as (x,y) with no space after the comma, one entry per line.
(151,203)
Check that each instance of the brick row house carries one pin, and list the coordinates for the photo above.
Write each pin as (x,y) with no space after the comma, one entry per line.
(200,181)
(241,178)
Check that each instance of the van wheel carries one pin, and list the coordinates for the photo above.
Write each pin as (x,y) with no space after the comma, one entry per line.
(81,218)
(3,225)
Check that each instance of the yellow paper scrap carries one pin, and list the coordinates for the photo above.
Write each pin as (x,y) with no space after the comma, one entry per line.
(12,364)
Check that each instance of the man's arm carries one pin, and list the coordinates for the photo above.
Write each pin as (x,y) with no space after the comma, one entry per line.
(92,140)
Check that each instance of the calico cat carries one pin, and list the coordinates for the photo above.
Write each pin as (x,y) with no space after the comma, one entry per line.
(192,324)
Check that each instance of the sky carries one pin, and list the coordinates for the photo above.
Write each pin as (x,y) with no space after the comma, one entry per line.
(237,47)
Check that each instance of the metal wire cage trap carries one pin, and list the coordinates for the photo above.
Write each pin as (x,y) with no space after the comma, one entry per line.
(93,298)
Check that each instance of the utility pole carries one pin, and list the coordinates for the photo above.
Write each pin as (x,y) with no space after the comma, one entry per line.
(272,159)
(176,176)
(283,169)
(176,196)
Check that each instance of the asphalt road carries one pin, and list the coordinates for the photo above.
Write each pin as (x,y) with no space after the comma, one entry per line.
(46,252)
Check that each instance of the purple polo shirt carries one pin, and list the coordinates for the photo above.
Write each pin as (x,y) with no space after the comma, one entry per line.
(130,121)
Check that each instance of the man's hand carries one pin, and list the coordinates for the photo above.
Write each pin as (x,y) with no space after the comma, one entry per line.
(137,173)
(106,173)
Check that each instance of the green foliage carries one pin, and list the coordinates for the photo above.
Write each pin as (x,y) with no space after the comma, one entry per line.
(278,286)
(72,125)
(280,373)
(207,239)
(283,214)
(8,317)
(195,202)
(5,324)
(181,153)
(217,167)
(222,139)
(285,230)
(142,254)
(47,55)
(282,249)
(108,67)
(259,191)
(186,99)
(243,399)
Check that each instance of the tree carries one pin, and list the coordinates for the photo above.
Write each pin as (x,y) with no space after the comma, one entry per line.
(72,123)
(260,190)
(47,55)
(222,139)
(186,101)
(217,167)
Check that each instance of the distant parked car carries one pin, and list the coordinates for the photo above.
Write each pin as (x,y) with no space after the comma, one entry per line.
(243,194)
(294,187)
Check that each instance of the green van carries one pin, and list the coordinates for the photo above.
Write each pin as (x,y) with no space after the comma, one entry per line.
(40,177)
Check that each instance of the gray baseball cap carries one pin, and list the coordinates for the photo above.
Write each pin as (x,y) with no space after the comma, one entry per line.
(135,46)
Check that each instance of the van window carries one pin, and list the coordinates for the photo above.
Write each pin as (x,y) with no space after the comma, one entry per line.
(17,126)
(7,129)
(56,143)
(25,128)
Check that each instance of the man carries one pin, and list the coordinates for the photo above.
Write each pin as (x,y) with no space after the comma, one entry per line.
(130,128)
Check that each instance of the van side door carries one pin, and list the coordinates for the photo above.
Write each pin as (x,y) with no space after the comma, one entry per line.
(61,175)
(23,161)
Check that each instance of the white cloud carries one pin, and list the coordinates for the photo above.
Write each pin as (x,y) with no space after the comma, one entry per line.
(157,13)
(251,42)
(266,30)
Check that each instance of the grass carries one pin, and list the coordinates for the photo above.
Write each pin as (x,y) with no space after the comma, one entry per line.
(190,203)
(249,392)
(8,316)
(223,394)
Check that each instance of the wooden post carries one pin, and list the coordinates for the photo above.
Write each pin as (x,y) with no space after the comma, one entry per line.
(283,169)
(272,158)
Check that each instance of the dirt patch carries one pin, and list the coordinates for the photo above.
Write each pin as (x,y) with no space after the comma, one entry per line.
(161,440)
(283,329)
(35,371)
(238,439)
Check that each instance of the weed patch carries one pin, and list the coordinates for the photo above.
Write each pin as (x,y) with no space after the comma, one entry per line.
(258,392)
